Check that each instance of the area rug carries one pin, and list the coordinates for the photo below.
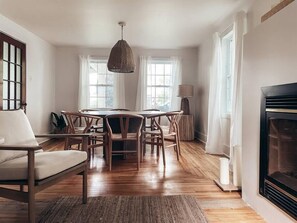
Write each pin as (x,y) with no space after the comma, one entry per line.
(132,209)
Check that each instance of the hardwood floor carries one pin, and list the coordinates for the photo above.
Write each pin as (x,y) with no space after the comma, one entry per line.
(192,175)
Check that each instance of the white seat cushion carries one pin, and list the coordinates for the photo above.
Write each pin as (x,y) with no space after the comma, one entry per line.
(46,164)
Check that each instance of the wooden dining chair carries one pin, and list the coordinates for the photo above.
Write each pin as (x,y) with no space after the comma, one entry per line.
(97,126)
(149,125)
(159,135)
(124,128)
(78,123)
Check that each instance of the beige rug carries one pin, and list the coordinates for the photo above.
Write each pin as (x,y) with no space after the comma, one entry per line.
(132,209)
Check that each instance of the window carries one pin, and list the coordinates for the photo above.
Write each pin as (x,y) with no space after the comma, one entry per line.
(227,66)
(101,83)
(12,74)
(159,84)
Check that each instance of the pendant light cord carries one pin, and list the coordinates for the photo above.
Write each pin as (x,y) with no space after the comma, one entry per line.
(122,24)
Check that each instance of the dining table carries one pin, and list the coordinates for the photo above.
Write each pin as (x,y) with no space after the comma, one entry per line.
(104,113)
(144,113)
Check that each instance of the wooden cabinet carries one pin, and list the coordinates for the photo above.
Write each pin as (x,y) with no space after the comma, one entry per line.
(186,127)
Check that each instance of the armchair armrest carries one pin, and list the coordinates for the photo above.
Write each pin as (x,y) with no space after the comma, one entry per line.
(62,135)
(20,148)
(84,136)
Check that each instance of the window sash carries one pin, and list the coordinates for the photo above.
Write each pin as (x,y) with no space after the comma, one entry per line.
(159,95)
(97,99)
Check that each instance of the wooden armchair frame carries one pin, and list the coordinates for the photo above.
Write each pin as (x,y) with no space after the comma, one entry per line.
(35,186)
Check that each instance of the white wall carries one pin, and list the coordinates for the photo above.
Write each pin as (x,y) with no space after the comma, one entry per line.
(270,56)
(202,93)
(67,70)
(40,63)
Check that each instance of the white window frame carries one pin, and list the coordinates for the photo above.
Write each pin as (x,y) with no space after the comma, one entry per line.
(101,85)
(153,73)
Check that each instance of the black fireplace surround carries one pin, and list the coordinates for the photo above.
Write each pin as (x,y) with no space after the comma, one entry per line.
(278,147)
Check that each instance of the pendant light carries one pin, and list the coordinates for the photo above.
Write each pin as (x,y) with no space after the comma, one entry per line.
(121,58)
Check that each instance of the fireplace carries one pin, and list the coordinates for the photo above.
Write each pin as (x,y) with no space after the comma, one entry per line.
(278,147)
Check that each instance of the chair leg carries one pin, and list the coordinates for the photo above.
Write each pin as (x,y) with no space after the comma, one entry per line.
(110,154)
(152,145)
(138,154)
(176,151)
(176,148)
(85,185)
(106,149)
(142,148)
(163,151)
(31,187)
(92,142)
(178,144)
(66,144)
(158,148)
(31,208)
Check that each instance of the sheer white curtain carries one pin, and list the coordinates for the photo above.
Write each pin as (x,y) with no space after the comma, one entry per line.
(119,91)
(83,89)
(214,132)
(236,111)
(142,82)
(176,73)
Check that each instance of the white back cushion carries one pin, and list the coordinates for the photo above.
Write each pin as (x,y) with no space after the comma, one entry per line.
(16,130)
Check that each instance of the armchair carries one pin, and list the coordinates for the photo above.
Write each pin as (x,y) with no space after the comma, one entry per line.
(23,163)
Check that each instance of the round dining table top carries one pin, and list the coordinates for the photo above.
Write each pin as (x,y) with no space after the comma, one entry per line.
(142,113)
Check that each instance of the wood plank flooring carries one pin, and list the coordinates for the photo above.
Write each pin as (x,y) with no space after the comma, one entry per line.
(192,175)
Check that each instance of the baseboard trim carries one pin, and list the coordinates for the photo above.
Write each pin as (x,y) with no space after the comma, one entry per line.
(200,137)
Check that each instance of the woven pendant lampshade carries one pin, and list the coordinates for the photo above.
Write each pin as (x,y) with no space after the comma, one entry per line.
(121,58)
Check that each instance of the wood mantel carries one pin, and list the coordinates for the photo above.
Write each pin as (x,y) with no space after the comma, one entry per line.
(276,9)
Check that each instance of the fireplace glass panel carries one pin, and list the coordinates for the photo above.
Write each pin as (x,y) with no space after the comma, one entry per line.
(282,151)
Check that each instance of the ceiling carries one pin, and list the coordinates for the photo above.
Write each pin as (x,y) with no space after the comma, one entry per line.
(158,24)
